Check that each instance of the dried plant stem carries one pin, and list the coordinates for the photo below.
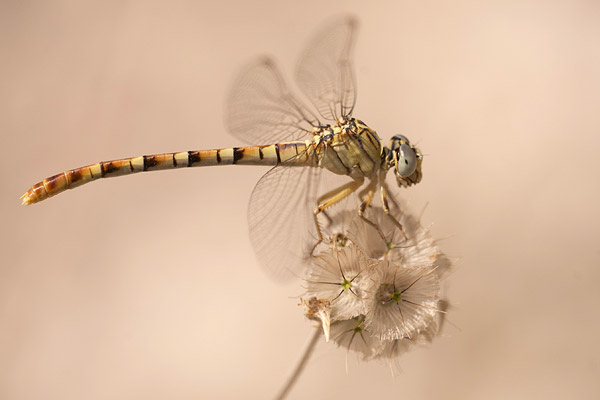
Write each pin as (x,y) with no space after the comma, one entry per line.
(306,353)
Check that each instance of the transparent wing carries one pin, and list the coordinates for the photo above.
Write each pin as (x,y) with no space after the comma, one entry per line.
(261,110)
(280,220)
(325,72)
(280,216)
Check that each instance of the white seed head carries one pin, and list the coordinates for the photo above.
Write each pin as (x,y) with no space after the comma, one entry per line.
(412,245)
(335,230)
(352,335)
(339,275)
(403,300)
(375,289)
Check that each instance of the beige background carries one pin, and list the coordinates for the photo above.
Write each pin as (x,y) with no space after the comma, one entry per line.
(147,287)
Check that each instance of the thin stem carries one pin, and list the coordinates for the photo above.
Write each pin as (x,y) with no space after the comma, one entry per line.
(306,353)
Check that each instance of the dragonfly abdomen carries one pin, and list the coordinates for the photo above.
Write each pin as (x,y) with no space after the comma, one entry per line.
(251,155)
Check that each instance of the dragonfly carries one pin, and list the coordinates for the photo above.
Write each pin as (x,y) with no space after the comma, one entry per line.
(320,156)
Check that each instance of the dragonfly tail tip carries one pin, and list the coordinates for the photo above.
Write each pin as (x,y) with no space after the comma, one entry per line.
(26,199)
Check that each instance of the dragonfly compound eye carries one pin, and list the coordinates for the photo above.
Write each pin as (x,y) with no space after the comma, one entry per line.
(406,162)
(400,139)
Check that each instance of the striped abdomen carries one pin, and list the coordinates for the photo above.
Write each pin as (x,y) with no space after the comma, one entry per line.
(252,155)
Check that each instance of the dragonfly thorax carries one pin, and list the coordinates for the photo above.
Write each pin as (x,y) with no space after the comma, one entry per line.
(349,147)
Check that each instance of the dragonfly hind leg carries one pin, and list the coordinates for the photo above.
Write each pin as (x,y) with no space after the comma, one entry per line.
(329,199)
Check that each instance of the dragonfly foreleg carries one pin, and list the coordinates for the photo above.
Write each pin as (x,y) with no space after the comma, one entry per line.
(386,209)
(329,199)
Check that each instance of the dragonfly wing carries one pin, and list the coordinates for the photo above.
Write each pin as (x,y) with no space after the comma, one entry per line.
(325,72)
(278,220)
(261,110)
(280,216)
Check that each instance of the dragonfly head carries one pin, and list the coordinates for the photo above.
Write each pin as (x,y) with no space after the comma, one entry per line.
(406,160)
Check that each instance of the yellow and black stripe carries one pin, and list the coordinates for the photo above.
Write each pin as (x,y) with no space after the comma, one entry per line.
(293,153)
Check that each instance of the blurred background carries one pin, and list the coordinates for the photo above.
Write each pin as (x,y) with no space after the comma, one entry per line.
(147,287)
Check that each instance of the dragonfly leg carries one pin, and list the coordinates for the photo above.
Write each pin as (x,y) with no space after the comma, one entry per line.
(370,192)
(386,209)
(329,219)
(329,199)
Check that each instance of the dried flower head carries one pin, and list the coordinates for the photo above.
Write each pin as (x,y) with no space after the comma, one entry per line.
(352,335)
(393,349)
(335,230)
(374,284)
(339,276)
(403,301)
(412,245)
